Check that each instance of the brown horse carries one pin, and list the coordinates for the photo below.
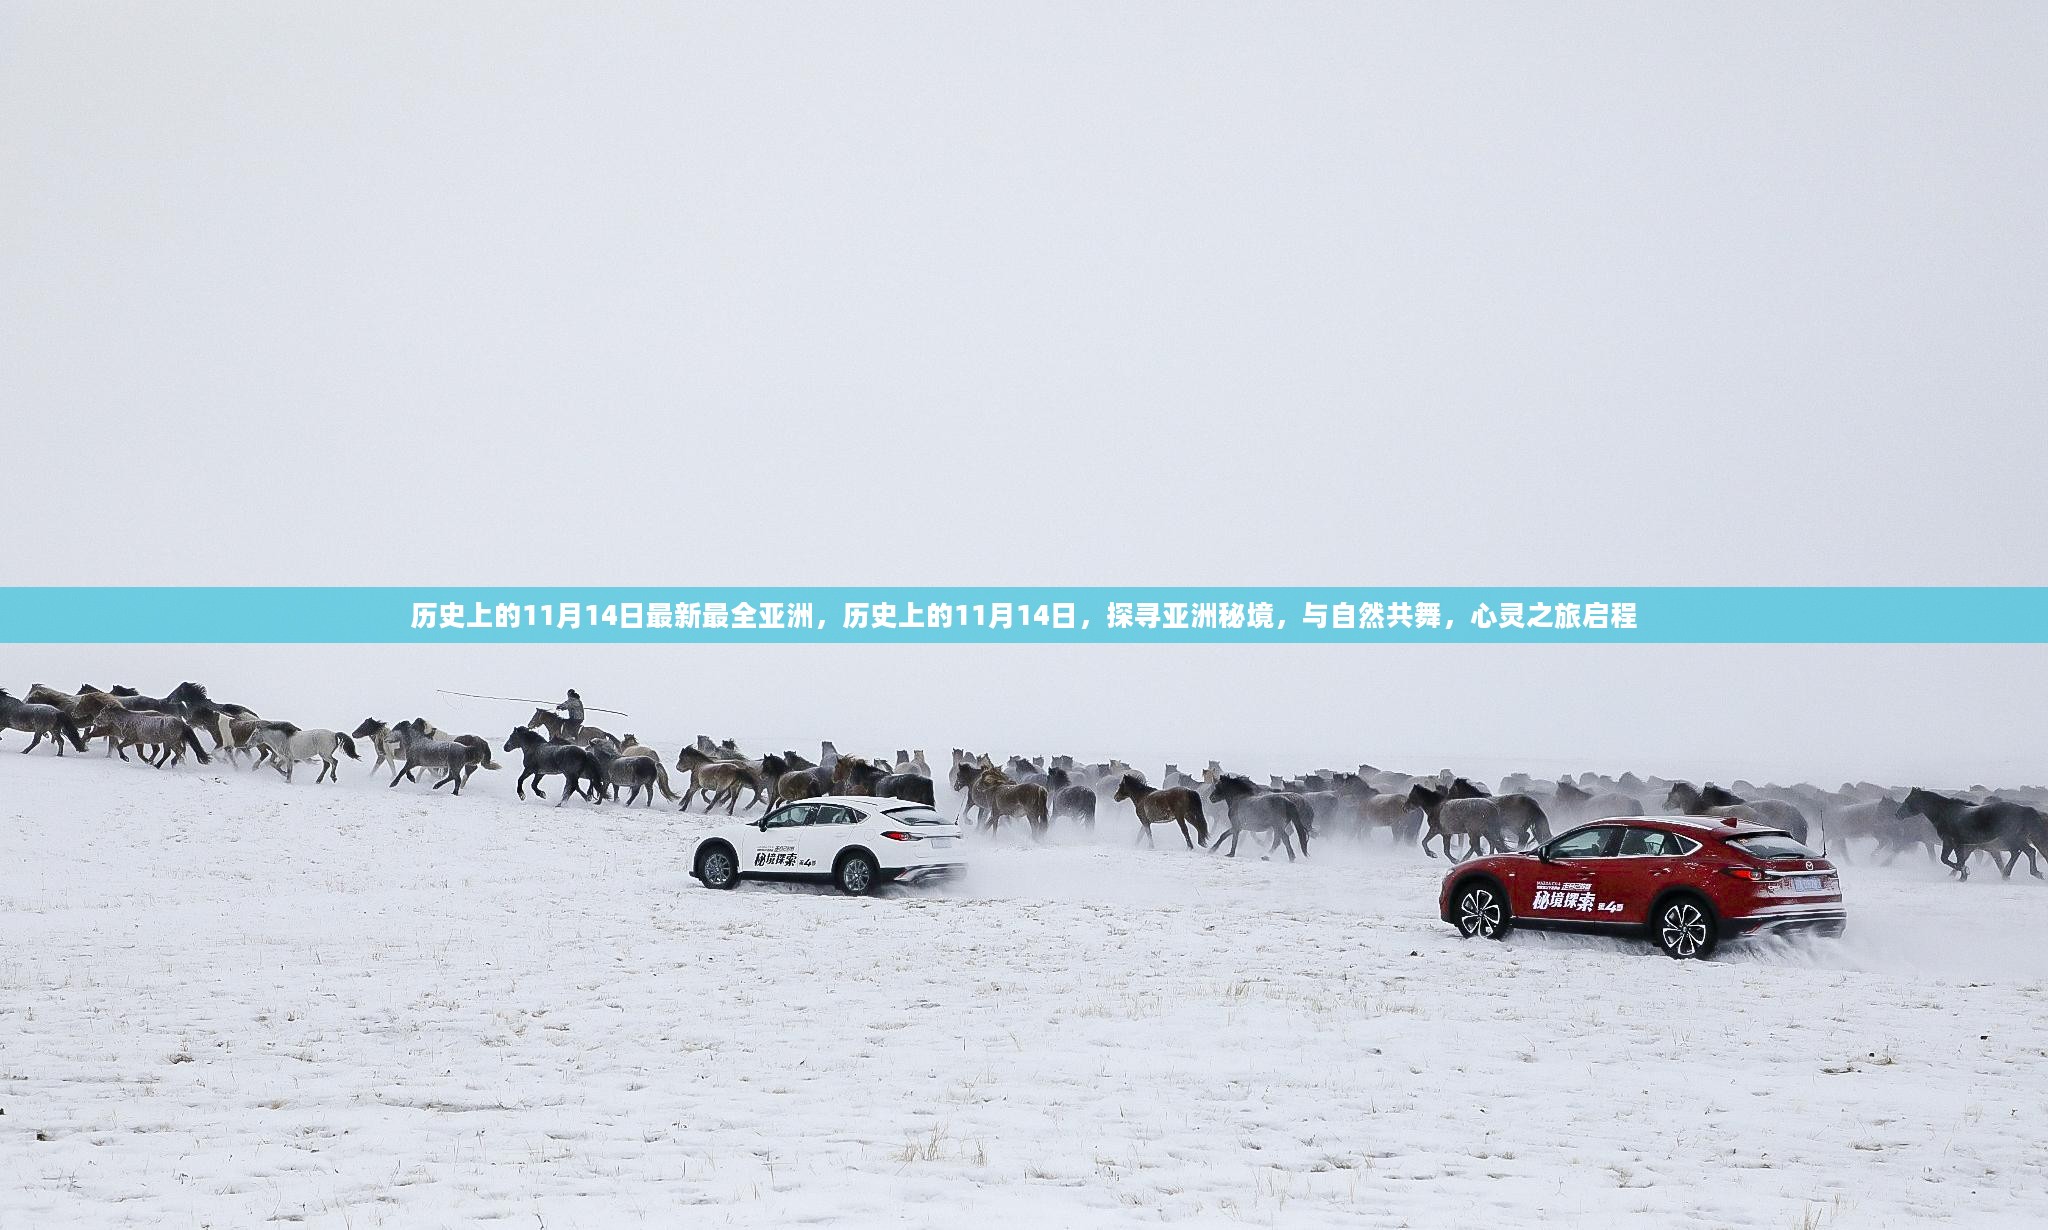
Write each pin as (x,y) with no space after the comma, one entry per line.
(1010,800)
(716,779)
(554,723)
(965,779)
(792,784)
(1156,806)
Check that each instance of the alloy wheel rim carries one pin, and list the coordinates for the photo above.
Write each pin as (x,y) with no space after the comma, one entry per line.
(857,875)
(1685,930)
(1479,914)
(717,868)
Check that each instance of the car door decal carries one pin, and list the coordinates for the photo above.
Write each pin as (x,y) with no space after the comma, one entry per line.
(775,856)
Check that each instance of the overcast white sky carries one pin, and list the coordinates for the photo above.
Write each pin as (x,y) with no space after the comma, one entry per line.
(1094,294)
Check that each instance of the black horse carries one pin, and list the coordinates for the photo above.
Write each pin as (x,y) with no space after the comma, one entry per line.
(1965,827)
(576,765)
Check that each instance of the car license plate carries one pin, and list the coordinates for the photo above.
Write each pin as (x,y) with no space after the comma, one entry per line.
(943,842)
(1809,884)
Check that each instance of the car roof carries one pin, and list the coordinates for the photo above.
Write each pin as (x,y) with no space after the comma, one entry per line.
(865,802)
(1718,826)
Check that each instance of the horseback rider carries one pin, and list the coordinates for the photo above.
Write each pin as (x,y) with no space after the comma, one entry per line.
(572,715)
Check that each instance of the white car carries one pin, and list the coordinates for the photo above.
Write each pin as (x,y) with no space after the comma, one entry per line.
(854,842)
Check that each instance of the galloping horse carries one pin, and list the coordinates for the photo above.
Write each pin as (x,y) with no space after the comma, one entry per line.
(717,779)
(1965,827)
(576,765)
(1261,811)
(1006,799)
(287,749)
(1154,805)
(41,721)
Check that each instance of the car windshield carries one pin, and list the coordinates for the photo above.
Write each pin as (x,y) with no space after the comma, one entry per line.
(1772,845)
(916,815)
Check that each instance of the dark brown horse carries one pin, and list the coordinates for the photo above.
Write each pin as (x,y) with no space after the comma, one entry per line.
(555,724)
(718,779)
(1011,800)
(1175,804)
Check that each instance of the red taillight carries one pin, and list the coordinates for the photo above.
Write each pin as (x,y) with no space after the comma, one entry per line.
(1751,874)
(901,836)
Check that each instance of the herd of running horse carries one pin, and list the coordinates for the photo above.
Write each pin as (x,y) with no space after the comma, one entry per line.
(1036,792)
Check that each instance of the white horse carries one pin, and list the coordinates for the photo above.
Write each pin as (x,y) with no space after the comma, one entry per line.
(287,750)
(237,734)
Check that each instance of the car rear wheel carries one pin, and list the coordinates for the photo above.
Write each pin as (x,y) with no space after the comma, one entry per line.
(1685,929)
(857,875)
(1481,910)
(719,868)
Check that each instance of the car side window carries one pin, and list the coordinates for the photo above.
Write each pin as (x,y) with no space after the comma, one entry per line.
(1648,843)
(1586,843)
(793,816)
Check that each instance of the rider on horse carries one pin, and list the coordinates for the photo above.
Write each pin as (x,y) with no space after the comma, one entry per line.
(572,715)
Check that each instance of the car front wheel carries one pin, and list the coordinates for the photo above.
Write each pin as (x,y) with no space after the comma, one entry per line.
(857,875)
(1685,929)
(719,868)
(1481,911)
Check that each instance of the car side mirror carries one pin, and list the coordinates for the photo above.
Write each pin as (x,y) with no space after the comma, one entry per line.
(1543,853)
(762,824)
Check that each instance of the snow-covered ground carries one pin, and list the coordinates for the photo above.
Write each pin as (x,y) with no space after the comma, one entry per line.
(226,1001)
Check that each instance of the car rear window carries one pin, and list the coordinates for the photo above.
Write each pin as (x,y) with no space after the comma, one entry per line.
(1772,845)
(916,815)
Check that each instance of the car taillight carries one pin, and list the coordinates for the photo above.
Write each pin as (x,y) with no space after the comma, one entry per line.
(894,835)
(1751,874)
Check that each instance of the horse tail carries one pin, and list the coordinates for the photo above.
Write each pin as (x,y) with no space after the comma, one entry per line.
(1820,821)
(71,731)
(346,744)
(191,742)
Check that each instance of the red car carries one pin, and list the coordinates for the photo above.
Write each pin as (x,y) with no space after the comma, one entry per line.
(1686,882)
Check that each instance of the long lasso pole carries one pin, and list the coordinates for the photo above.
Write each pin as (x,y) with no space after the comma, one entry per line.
(527,700)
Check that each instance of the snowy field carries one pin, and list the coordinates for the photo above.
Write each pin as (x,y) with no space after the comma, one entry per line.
(225,1001)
